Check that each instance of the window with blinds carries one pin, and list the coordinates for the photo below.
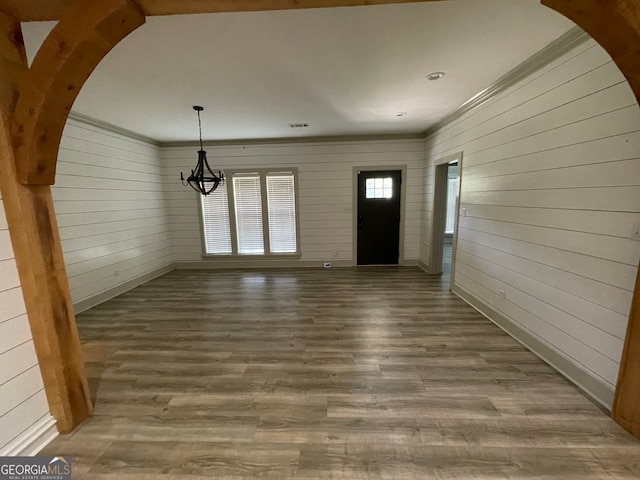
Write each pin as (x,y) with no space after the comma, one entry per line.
(248,209)
(215,215)
(281,202)
(252,213)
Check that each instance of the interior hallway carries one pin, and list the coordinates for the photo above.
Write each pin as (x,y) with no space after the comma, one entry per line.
(342,373)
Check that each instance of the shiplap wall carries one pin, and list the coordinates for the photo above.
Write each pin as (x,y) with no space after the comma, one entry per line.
(551,187)
(325,173)
(110,206)
(23,404)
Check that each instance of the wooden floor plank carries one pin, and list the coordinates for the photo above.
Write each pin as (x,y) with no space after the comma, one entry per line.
(312,374)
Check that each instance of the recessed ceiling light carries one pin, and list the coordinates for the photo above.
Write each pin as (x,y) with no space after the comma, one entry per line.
(435,76)
(400,114)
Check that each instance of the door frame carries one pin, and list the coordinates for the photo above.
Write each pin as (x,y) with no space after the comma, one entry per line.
(403,195)
(441,178)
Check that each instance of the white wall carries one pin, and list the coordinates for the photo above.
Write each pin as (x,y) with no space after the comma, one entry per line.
(111,212)
(23,404)
(551,187)
(325,172)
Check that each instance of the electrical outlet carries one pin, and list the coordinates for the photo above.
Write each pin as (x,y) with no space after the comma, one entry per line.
(502,294)
(635,232)
(335,252)
(327,264)
(464,212)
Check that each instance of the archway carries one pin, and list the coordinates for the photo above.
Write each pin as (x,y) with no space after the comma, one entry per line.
(85,33)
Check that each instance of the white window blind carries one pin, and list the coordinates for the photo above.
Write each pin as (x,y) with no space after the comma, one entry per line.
(248,208)
(215,215)
(281,201)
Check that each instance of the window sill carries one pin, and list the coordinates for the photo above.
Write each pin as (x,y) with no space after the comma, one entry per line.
(267,256)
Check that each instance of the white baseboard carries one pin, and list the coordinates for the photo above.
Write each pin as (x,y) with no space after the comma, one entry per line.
(599,391)
(32,440)
(254,264)
(124,287)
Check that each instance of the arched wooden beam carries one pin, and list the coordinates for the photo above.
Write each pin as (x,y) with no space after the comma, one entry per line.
(84,35)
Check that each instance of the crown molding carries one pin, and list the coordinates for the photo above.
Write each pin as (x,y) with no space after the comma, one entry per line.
(556,49)
(294,140)
(109,127)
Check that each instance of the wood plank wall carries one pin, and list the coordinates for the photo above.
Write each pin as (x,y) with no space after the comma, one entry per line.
(23,403)
(551,187)
(326,191)
(111,210)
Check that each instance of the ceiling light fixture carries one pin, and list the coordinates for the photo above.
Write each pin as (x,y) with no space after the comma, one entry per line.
(435,76)
(400,114)
(203,182)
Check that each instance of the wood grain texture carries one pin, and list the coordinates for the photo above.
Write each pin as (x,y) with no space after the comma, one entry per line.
(626,404)
(345,373)
(34,235)
(37,10)
(83,36)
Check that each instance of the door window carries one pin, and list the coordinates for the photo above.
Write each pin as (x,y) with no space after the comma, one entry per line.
(379,187)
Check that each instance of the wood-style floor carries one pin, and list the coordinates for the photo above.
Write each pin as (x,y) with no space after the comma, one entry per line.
(346,373)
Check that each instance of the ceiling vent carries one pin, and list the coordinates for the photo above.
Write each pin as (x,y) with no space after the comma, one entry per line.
(298,125)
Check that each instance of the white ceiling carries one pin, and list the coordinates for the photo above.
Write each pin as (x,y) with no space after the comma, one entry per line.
(345,71)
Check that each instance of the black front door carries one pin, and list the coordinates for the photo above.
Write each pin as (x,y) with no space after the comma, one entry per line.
(379,217)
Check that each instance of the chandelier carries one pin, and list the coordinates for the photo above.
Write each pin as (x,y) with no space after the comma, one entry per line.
(202,178)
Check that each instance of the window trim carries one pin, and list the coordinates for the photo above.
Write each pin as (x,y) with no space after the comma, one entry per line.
(263,173)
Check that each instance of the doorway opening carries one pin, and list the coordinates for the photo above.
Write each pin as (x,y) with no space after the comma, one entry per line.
(450,217)
(378,232)
(446,212)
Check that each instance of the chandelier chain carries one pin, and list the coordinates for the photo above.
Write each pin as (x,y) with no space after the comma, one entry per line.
(200,129)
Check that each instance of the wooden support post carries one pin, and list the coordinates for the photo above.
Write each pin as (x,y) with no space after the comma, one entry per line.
(42,98)
(626,405)
(34,234)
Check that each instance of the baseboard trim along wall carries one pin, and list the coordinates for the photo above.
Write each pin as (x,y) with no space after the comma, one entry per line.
(32,440)
(110,293)
(593,387)
(257,264)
